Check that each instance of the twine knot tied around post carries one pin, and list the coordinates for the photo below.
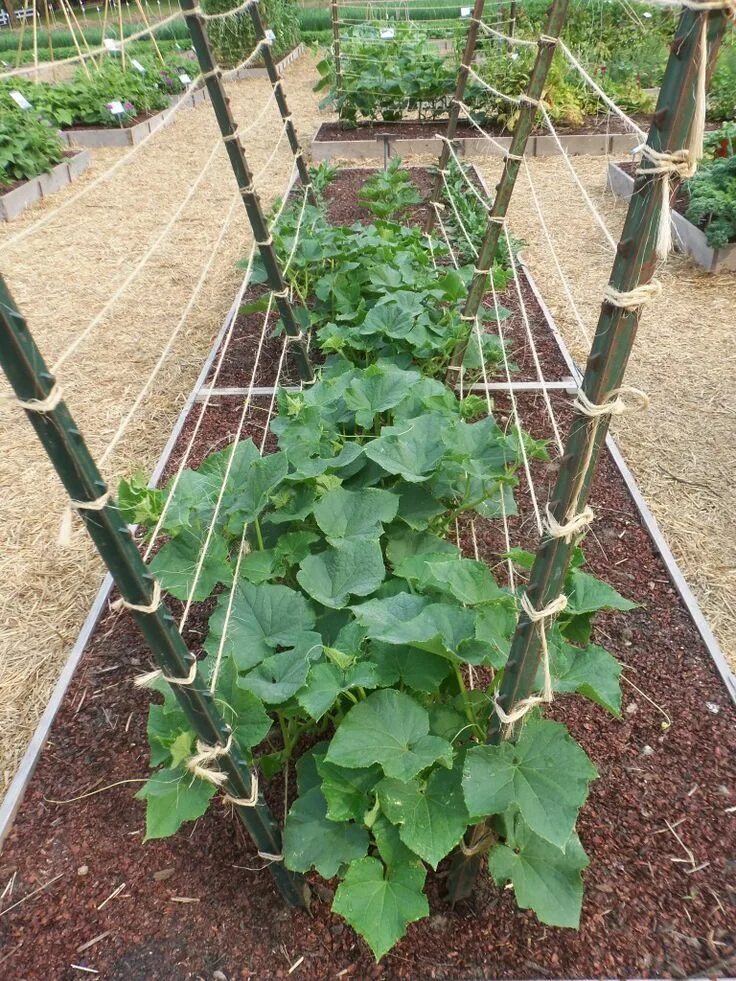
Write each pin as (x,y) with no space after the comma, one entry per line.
(199,763)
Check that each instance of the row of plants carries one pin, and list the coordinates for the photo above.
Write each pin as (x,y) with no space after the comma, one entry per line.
(28,147)
(342,616)
(83,101)
(233,38)
(389,78)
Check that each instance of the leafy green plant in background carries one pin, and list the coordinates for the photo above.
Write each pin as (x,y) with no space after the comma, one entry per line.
(344,643)
(233,38)
(385,78)
(389,192)
(712,191)
(83,101)
(28,147)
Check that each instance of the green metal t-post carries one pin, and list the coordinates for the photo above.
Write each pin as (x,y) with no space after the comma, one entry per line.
(633,266)
(522,130)
(278,86)
(31,380)
(462,81)
(244,177)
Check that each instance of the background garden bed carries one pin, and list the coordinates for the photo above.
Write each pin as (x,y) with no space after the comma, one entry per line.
(194,909)
(17,199)
(331,142)
(687,237)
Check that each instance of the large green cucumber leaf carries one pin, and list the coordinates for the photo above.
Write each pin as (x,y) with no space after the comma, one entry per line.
(545,774)
(355,568)
(262,618)
(545,878)
(414,620)
(392,729)
(312,840)
(281,675)
(380,903)
(586,594)
(378,388)
(431,815)
(347,791)
(412,449)
(176,566)
(252,496)
(326,682)
(172,797)
(345,514)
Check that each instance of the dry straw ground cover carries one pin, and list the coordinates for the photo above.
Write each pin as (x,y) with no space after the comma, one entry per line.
(62,277)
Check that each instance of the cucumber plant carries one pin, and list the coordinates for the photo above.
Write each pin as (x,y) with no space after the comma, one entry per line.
(345,623)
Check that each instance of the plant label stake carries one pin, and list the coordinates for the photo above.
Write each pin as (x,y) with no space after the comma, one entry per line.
(20,100)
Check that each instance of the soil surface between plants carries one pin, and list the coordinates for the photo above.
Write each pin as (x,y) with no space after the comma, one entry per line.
(658,901)
(412,129)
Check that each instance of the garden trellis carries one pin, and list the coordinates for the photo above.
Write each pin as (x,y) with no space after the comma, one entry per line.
(671,151)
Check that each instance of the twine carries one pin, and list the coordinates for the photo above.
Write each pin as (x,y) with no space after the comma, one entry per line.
(151,607)
(246,801)
(481,845)
(514,156)
(47,404)
(575,526)
(268,241)
(632,299)
(664,166)
(296,338)
(548,39)
(282,294)
(529,100)
(537,618)
(268,857)
(146,680)
(65,528)
(199,763)
(482,272)
(231,136)
(614,404)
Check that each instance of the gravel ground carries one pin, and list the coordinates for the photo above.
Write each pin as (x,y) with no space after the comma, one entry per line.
(61,278)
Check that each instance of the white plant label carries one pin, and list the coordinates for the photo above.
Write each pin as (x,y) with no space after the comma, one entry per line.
(20,100)
(138,66)
(185,79)
(116,107)
(110,44)
(466,11)
(270,36)
(387,33)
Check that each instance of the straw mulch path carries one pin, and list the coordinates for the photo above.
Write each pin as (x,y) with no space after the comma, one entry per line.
(61,278)
(683,450)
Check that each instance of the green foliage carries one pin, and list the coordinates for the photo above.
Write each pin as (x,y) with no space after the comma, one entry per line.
(355,618)
(28,147)
(712,190)
(386,77)
(83,101)
(233,38)
(722,92)
(389,192)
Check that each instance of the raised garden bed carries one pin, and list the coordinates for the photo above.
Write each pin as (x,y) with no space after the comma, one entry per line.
(258,71)
(193,905)
(97,136)
(331,142)
(688,238)
(15,201)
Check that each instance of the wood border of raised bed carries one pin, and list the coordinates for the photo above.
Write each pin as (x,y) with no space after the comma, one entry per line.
(688,238)
(576,144)
(13,203)
(22,778)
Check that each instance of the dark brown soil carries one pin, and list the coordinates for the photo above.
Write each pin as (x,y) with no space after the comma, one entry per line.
(425,130)
(646,913)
